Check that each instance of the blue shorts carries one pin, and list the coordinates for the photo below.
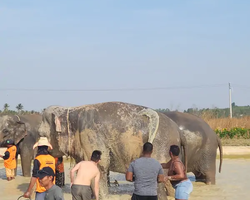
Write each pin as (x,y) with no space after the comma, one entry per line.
(183,189)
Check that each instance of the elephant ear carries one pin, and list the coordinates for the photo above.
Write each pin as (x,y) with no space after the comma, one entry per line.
(20,131)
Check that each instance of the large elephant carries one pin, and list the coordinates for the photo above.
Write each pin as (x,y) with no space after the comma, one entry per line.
(118,129)
(202,144)
(23,130)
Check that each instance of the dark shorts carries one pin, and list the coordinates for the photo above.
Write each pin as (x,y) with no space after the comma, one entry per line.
(138,197)
(81,192)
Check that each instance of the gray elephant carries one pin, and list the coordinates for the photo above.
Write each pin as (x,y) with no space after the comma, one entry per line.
(118,129)
(23,130)
(202,144)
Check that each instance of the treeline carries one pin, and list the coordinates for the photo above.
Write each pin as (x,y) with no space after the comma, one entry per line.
(238,111)
(19,110)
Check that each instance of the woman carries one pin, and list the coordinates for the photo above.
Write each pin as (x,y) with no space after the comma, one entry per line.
(177,175)
(59,172)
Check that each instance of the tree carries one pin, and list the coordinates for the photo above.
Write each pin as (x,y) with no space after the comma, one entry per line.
(19,107)
(6,107)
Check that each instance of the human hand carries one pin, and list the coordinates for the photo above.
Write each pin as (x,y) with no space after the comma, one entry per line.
(166,178)
(26,195)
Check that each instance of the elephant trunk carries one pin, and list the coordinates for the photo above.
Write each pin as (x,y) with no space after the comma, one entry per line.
(221,152)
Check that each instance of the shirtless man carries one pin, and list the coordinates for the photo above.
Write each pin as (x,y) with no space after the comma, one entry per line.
(86,171)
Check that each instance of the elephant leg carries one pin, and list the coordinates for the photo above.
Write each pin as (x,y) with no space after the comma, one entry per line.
(15,171)
(210,178)
(161,191)
(169,189)
(26,160)
(108,178)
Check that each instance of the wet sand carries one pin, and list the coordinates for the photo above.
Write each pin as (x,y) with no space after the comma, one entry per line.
(231,184)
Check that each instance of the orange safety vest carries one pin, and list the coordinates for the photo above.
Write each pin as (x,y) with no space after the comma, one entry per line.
(45,161)
(59,167)
(10,163)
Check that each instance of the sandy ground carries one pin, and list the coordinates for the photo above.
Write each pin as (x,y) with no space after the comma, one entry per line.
(231,184)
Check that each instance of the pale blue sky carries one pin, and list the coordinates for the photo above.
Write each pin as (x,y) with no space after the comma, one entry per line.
(112,44)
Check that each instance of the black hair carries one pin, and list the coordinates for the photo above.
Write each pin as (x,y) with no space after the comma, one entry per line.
(42,150)
(147,147)
(96,155)
(175,150)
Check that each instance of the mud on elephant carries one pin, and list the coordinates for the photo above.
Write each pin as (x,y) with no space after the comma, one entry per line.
(118,129)
(202,144)
(23,130)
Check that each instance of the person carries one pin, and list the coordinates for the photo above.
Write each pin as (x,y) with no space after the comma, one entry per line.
(177,174)
(86,171)
(146,172)
(46,177)
(60,177)
(42,159)
(10,159)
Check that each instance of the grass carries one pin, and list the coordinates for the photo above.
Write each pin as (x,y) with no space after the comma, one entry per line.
(235,142)
(228,123)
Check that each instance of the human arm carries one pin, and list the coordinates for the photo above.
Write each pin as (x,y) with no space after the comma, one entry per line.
(36,166)
(6,155)
(166,165)
(72,172)
(97,179)
(160,177)
(130,172)
(178,169)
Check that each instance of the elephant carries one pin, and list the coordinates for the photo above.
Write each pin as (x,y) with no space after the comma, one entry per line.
(202,144)
(23,130)
(118,129)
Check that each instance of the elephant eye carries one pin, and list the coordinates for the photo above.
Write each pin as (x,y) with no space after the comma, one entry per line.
(5,131)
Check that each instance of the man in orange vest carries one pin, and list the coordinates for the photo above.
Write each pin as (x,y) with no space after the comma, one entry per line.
(10,159)
(42,159)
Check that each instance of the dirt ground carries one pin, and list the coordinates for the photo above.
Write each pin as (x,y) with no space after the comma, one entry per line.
(231,184)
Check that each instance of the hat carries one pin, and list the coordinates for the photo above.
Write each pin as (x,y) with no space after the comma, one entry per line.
(46,171)
(9,141)
(43,141)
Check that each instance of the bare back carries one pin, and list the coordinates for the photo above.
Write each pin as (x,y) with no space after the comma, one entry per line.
(86,172)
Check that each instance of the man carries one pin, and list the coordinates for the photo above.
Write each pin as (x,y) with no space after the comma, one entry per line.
(146,172)
(42,159)
(46,177)
(10,159)
(86,171)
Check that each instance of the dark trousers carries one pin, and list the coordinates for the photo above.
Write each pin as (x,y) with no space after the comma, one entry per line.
(138,197)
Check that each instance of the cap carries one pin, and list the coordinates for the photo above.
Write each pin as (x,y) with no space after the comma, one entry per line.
(9,141)
(46,171)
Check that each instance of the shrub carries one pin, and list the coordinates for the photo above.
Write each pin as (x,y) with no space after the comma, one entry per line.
(237,133)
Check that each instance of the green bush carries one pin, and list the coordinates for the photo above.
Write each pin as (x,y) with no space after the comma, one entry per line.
(238,133)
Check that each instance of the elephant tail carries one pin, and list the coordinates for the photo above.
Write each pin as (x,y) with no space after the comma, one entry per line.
(221,152)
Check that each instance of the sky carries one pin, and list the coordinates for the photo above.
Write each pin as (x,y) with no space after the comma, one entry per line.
(160,54)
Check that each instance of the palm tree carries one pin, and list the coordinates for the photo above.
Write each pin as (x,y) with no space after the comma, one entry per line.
(19,107)
(5,107)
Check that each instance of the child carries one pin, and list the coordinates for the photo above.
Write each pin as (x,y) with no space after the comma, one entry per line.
(10,159)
